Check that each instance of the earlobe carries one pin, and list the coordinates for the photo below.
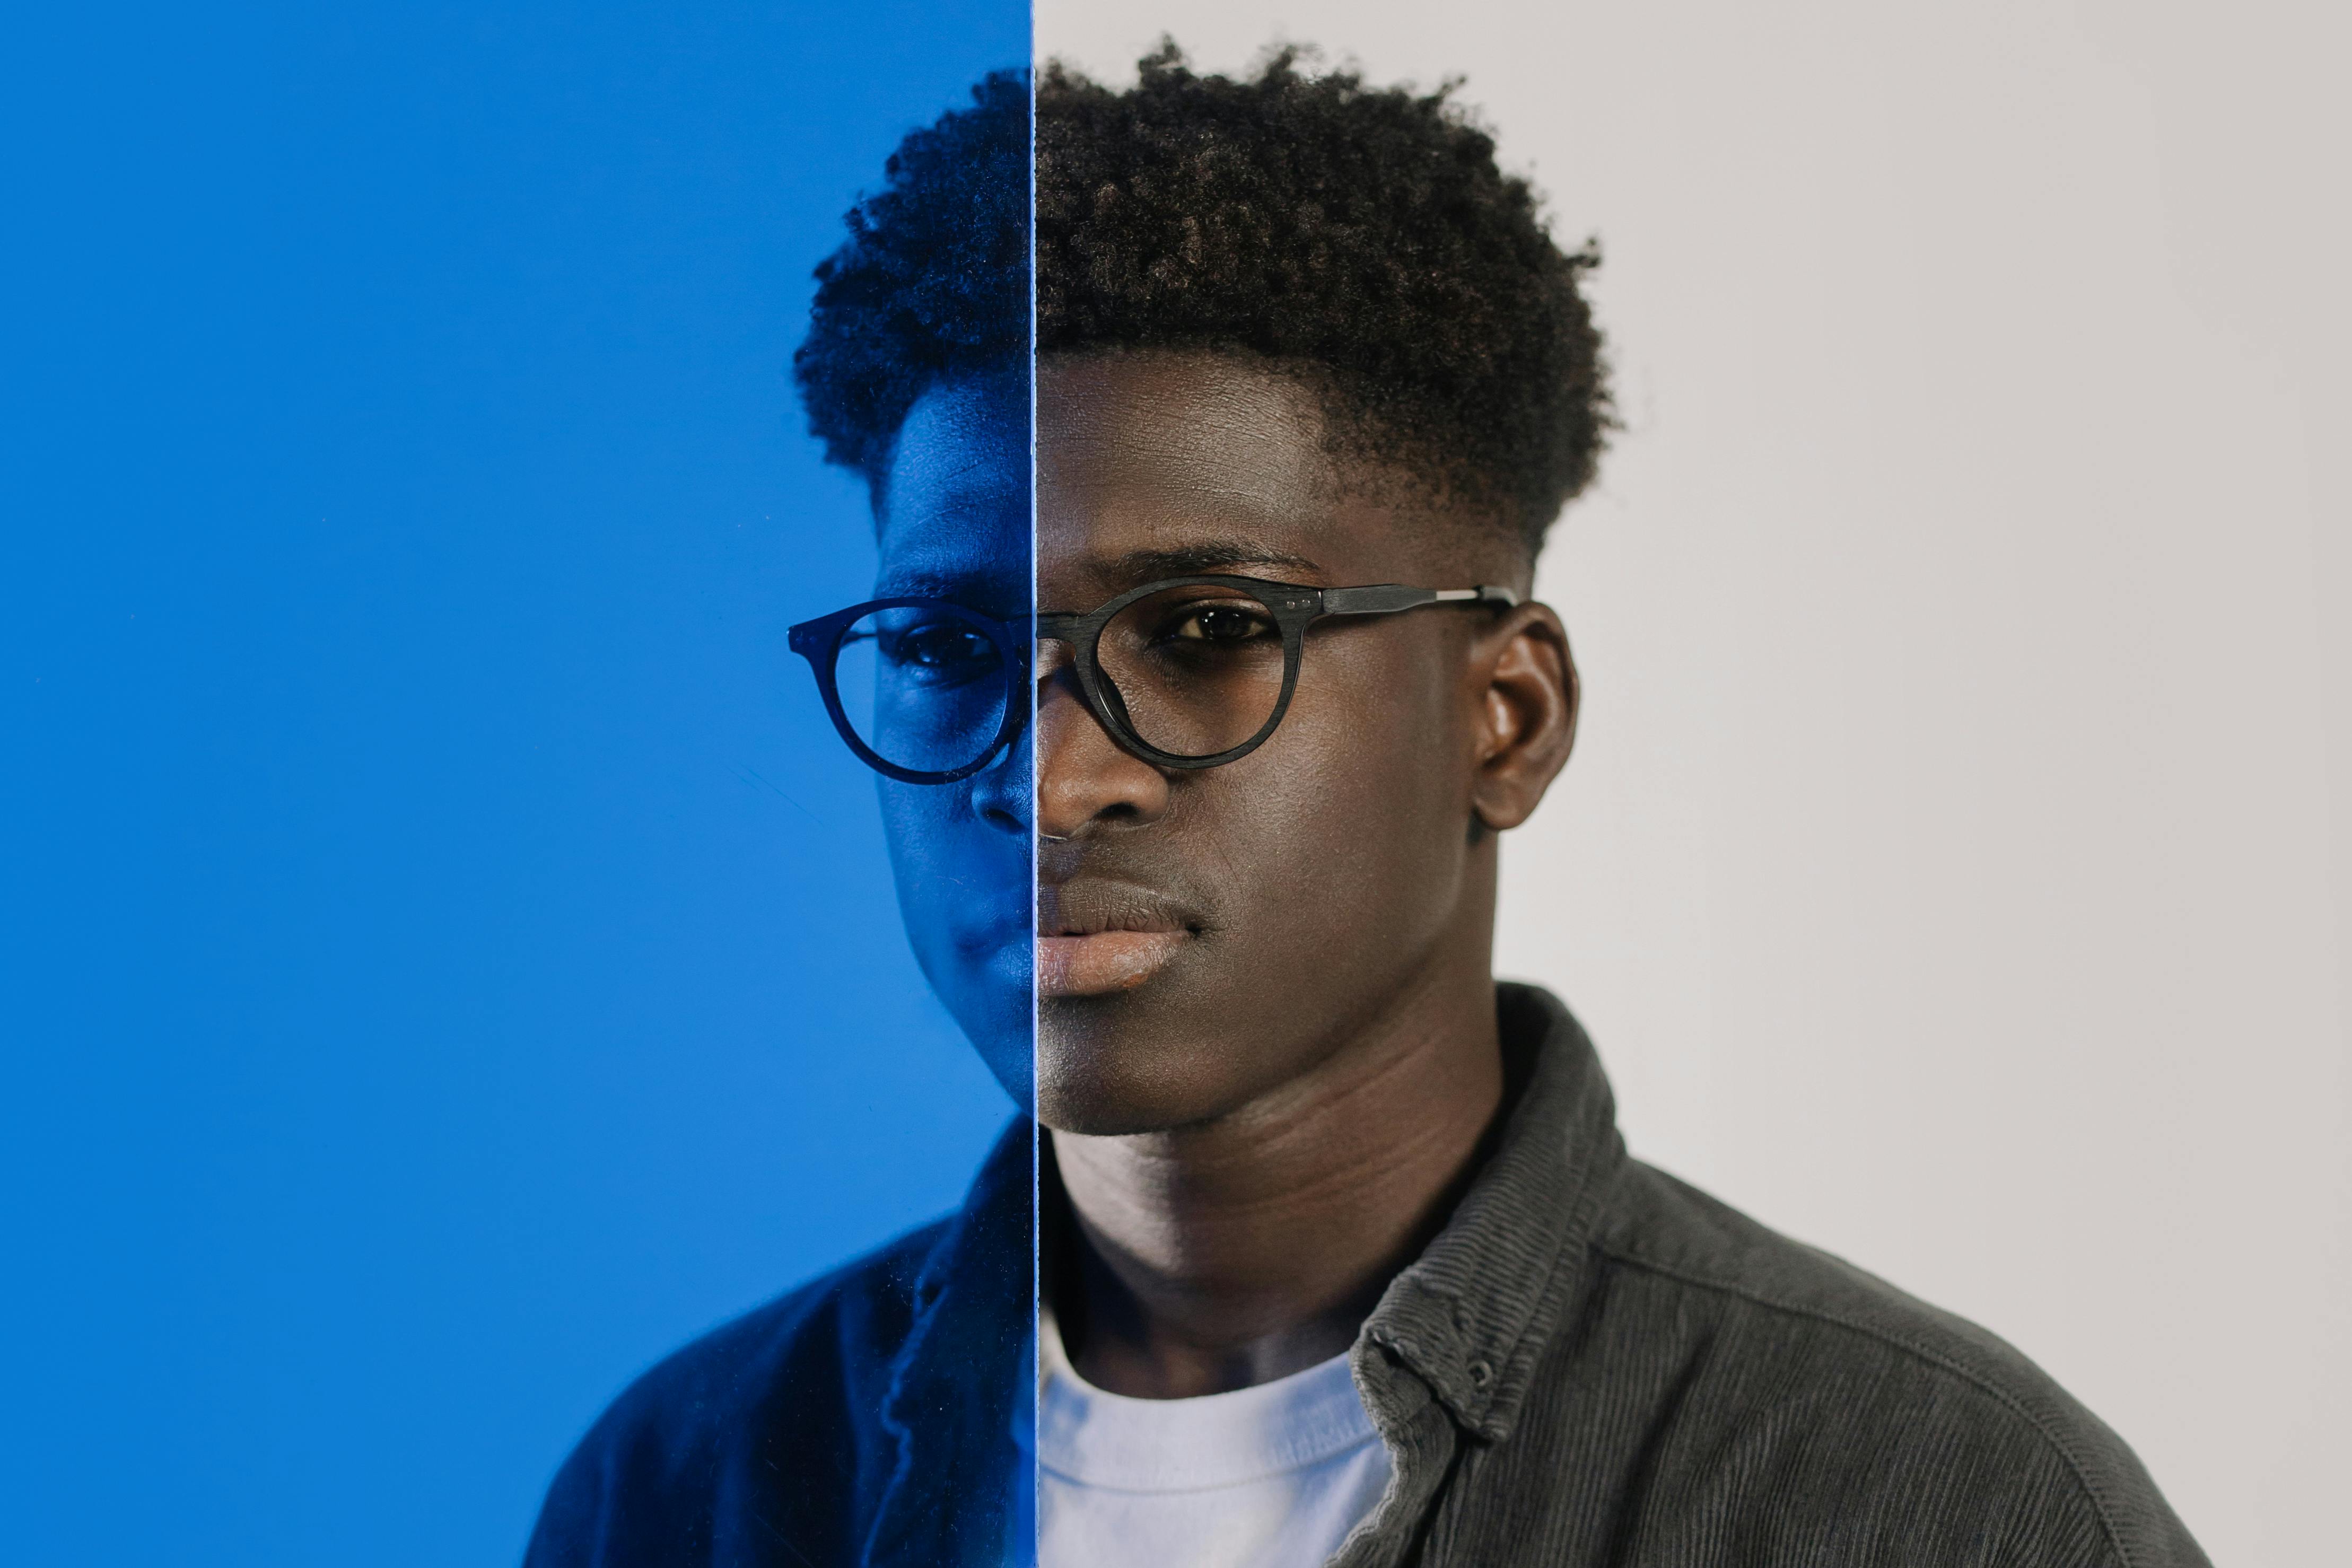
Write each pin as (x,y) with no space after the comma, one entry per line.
(1529,719)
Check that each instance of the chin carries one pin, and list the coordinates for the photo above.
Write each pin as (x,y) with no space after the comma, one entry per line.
(1099,1080)
(1002,1035)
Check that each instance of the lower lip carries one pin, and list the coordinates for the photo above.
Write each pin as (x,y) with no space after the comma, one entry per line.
(1104,962)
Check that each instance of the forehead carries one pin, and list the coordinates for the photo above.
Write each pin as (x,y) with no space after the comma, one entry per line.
(1154,465)
(952,514)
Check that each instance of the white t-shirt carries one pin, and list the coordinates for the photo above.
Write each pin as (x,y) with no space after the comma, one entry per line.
(1270,1477)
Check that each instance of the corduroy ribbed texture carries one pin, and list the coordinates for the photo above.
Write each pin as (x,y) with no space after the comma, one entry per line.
(1594,1363)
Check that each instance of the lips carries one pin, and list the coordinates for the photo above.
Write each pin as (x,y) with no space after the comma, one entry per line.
(1096,937)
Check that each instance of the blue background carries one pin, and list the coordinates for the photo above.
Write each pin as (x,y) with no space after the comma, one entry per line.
(445,960)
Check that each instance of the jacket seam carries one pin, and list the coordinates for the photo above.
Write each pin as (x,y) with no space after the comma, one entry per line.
(2058,1444)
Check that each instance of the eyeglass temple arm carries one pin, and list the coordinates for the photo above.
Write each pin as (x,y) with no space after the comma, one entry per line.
(1387,598)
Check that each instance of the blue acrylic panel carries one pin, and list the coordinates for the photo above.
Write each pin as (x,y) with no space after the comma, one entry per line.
(446,958)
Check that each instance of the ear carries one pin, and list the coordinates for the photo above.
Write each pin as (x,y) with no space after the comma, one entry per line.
(1527,720)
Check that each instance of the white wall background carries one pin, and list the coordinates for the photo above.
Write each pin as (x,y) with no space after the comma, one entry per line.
(1956,867)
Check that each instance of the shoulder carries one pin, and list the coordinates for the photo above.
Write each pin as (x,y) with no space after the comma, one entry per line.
(1904,1412)
(789,1389)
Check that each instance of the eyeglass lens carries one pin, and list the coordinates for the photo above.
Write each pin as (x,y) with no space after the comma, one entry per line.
(1197,668)
(923,686)
(1193,669)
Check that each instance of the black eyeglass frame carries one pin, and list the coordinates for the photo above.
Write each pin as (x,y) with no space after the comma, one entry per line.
(819,641)
(1294,608)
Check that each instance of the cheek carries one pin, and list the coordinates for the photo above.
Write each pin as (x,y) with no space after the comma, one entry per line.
(963,899)
(1355,815)
(922,843)
(952,871)
(1384,738)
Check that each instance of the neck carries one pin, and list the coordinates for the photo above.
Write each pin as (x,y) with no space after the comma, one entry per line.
(1240,1249)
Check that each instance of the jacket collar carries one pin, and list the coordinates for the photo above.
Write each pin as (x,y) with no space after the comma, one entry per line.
(1470,1316)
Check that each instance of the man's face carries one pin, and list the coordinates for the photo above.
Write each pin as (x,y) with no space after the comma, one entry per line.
(1274,905)
(954,524)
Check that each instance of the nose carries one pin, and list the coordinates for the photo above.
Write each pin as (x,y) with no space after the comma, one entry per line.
(1085,783)
(1000,792)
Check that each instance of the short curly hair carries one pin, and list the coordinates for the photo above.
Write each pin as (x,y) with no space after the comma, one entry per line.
(932,284)
(1362,237)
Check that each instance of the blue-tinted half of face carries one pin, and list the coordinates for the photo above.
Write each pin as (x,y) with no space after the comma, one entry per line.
(953,520)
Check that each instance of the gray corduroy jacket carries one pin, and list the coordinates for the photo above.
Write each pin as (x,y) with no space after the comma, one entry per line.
(1592,1364)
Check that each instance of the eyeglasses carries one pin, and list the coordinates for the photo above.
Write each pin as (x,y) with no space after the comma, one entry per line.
(1188,672)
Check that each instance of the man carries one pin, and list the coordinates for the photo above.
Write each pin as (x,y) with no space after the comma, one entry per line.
(1341,1256)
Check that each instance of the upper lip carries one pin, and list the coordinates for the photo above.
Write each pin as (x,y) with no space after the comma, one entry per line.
(1089,907)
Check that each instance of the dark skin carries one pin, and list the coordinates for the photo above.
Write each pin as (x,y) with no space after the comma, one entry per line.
(1258,1133)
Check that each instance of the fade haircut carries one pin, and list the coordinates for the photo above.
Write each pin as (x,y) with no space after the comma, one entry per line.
(1361,238)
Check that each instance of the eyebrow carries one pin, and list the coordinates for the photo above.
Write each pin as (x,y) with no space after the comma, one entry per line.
(985,590)
(937,584)
(1206,556)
